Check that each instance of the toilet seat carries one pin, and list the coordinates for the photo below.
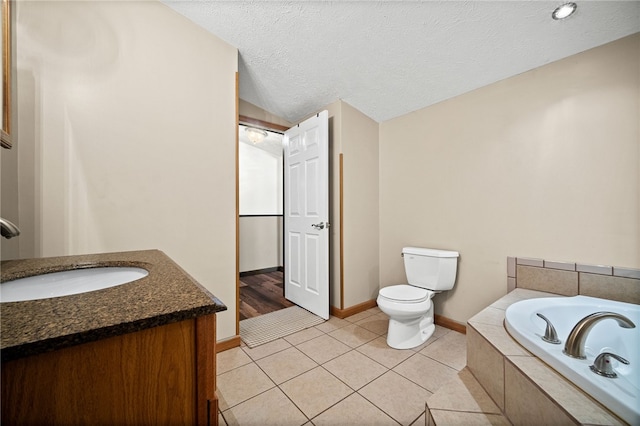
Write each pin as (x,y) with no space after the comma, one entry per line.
(404,293)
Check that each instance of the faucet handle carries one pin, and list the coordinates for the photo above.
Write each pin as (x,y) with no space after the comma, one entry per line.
(550,335)
(602,364)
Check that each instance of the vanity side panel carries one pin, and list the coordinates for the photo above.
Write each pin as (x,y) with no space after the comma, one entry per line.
(207,399)
(145,377)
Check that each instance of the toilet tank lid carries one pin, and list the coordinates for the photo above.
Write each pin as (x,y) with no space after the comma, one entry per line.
(429,252)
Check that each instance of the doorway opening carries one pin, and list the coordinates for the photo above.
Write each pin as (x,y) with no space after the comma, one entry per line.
(260,221)
(282,214)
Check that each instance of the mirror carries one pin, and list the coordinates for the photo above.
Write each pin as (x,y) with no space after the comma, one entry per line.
(5,41)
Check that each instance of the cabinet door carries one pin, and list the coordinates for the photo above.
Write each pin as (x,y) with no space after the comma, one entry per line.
(145,377)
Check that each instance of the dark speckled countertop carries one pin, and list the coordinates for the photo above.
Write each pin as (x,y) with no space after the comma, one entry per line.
(168,294)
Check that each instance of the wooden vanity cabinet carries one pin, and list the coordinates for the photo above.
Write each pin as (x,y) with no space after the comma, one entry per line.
(164,375)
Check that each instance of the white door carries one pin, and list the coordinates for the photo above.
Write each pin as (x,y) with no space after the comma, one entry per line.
(306,214)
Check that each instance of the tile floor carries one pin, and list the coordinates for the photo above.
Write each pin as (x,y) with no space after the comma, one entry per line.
(340,372)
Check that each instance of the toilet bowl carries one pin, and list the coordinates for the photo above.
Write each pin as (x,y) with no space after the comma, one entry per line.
(409,306)
(410,312)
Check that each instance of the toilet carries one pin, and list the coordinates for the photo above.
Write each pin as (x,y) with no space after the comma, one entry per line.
(409,306)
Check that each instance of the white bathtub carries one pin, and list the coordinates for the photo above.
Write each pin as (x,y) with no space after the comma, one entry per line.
(621,394)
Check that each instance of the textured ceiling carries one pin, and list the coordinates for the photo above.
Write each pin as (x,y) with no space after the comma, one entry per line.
(388,58)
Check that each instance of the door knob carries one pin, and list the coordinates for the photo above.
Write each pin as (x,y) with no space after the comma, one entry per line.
(318,226)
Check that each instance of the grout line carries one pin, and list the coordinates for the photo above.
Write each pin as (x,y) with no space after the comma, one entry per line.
(579,275)
(375,360)
(295,405)
(298,375)
(290,345)
(379,408)
(331,406)
(346,384)
(416,419)
(451,410)
(440,362)
(409,378)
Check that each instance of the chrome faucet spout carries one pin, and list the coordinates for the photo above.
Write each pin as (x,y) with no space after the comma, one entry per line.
(574,346)
(8,229)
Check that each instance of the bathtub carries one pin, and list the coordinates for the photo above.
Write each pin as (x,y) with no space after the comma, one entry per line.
(621,394)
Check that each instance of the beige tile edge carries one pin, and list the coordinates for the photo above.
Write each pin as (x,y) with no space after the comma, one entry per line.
(579,268)
(617,271)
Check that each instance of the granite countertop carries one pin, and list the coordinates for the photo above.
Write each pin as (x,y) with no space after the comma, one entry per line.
(168,294)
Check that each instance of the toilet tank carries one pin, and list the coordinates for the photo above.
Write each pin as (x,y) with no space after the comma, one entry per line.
(430,268)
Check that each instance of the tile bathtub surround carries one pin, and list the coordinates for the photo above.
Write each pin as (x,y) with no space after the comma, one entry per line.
(487,365)
(548,392)
(549,280)
(536,406)
(521,385)
(511,267)
(571,279)
(526,261)
(613,288)
(340,372)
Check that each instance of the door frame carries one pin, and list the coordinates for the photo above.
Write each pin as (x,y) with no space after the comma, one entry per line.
(253,122)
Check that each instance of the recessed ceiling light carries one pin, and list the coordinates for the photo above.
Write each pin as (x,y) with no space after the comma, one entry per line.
(564,11)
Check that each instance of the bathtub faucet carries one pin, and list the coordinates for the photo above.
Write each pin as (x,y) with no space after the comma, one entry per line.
(574,346)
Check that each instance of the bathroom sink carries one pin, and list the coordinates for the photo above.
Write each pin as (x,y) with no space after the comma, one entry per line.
(66,283)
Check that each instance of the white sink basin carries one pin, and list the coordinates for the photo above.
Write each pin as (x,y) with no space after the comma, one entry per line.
(65,283)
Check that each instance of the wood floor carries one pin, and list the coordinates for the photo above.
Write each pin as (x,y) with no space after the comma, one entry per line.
(261,294)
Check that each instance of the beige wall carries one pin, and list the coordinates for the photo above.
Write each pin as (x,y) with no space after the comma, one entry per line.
(9,248)
(260,242)
(9,200)
(126,109)
(361,224)
(335,149)
(355,136)
(545,164)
